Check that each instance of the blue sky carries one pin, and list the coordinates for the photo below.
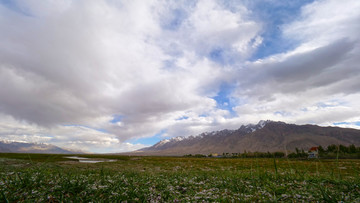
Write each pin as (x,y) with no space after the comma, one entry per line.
(114,76)
(274,16)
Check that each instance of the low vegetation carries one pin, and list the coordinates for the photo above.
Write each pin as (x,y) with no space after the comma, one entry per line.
(53,178)
(331,152)
(339,151)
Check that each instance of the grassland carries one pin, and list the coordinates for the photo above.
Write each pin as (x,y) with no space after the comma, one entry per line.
(53,178)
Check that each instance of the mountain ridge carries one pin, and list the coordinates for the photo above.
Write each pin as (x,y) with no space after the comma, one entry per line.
(41,148)
(265,136)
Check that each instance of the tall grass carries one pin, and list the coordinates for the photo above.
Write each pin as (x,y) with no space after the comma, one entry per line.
(169,179)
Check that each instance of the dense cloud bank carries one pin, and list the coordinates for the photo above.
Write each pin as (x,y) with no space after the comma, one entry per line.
(98,75)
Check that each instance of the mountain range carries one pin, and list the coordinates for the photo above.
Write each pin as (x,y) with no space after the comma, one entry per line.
(21,147)
(266,136)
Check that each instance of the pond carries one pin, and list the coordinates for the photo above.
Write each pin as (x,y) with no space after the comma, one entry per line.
(88,160)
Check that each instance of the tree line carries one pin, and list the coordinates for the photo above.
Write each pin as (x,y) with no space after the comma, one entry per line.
(242,155)
(331,151)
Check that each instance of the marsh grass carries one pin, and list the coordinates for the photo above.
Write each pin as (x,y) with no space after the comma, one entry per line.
(51,178)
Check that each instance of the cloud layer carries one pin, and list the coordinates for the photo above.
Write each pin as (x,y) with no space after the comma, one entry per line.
(95,74)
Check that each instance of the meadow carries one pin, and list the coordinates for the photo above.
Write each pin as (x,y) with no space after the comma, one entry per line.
(53,178)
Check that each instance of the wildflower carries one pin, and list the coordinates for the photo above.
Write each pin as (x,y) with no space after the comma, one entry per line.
(298,196)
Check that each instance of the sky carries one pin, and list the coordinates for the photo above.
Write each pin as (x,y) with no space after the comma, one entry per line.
(114,76)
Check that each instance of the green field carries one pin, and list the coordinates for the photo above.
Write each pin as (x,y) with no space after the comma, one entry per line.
(53,178)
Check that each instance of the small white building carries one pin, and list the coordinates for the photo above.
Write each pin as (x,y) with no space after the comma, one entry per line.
(313,152)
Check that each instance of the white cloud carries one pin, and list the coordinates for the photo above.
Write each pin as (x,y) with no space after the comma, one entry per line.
(210,27)
(323,68)
(80,63)
(71,64)
(325,21)
(69,137)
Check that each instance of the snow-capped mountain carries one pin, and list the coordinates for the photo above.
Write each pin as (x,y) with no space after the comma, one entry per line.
(244,129)
(263,136)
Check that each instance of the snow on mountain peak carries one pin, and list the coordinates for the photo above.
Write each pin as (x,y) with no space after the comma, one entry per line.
(176,139)
(250,128)
(162,142)
(262,123)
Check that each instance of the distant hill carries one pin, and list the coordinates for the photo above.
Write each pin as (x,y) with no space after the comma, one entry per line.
(265,136)
(20,147)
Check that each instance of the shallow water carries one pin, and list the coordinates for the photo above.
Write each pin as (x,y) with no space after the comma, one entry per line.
(76,157)
(88,160)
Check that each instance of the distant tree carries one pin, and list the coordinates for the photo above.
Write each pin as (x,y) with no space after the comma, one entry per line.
(292,155)
(268,154)
(226,154)
(352,149)
(331,148)
(279,154)
(298,154)
(343,149)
